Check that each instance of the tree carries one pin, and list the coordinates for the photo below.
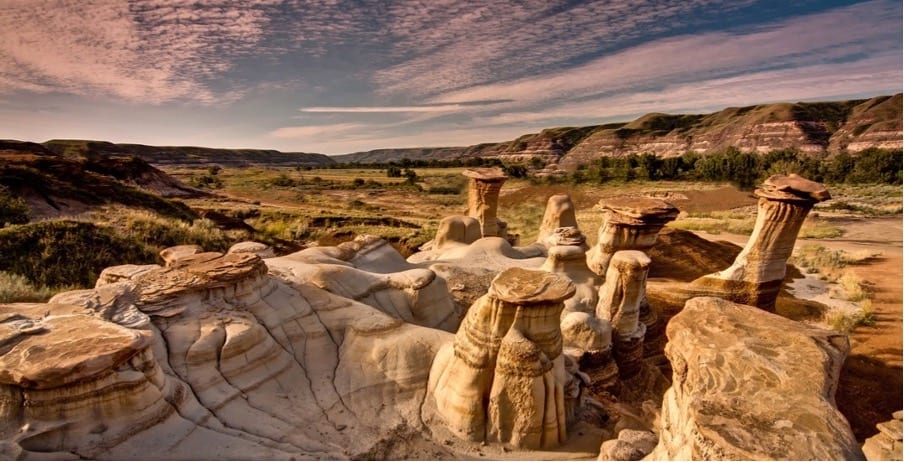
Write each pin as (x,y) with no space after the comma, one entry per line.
(393,172)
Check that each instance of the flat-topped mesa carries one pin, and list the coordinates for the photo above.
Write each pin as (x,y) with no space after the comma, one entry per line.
(502,378)
(483,197)
(757,273)
(630,223)
(619,303)
(559,214)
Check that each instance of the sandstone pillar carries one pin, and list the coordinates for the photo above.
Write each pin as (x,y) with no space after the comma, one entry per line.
(619,303)
(567,255)
(503,377)
(483,196)
(757,273)
(631,223)
(559,214)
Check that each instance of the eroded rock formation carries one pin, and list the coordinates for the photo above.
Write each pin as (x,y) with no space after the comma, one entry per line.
(757,273)
(752,385)
(619,304)
(886,445)
(503,377)
(483,197)
(630,223)
(210,356)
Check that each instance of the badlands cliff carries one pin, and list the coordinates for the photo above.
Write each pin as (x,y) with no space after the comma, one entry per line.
(472,348)
(814,128)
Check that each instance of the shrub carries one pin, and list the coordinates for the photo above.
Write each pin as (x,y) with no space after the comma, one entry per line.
(15,288)
(13,210)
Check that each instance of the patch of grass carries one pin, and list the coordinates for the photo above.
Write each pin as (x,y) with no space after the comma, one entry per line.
(816,258)
(845,321)
(15,288)
(65,252)
(852,286)
(818,229)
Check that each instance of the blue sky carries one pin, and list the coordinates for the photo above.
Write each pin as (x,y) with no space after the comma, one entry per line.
(338,76)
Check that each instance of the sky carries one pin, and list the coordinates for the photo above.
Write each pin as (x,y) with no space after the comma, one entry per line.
(336,76)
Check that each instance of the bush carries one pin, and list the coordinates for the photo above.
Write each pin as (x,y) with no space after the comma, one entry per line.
(17,289)
(13,210)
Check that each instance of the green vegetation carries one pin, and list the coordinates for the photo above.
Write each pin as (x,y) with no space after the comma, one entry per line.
(13,210)
(61,253)
(15,289)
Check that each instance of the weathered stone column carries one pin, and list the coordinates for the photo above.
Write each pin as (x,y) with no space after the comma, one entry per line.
(631,223)
(619,303)
(503,377)
(567,256)
(757,273)
(483,196)
(559,214)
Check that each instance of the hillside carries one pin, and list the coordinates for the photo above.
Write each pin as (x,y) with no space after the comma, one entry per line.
(53,185)
(187,155)
(819,129)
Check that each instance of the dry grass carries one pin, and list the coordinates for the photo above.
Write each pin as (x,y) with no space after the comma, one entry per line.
(15,288)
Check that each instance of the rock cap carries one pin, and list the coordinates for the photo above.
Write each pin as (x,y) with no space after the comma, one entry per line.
(485,173)
(637,210)
(522,286)
(793,187)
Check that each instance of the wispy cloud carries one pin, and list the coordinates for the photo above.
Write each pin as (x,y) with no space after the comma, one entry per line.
(140,51)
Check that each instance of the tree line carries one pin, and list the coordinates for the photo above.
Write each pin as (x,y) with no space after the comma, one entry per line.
(743,169)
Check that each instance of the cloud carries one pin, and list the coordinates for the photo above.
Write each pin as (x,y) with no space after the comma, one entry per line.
(141,51)
(436,107)
(450,45)
(315,131)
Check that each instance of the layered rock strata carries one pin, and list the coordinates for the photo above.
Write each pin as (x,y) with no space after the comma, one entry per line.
(619,304)
(503,377)
(632,223)
(483,197)
(886,445)
(752,385)
(208,357)
(756,275)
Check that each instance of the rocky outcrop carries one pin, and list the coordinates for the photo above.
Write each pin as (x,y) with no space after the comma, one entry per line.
(757,273)
(483,197)
(210,355)
(885,445)
(559,213)
(817,129)
(503,377)
(751,385)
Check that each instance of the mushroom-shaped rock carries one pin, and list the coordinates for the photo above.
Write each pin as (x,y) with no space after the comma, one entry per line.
(885,445)
(483,197)
(521,378)
(630,223)
(752,385)
(756,275)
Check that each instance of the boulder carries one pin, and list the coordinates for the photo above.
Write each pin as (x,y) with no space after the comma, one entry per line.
(748,384)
